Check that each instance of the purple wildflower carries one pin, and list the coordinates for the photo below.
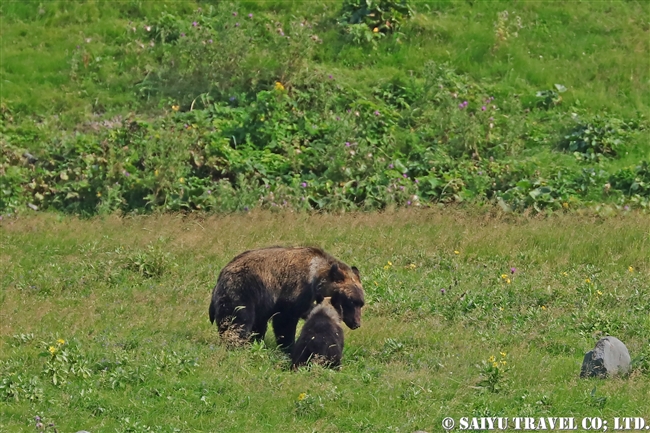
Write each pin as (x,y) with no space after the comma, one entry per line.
(626,207)
(182,35)
(245,208)
(209,191)
(304,184)
(347,144)
(401,187)
(480,172)
(331,77)
(194,24)
(236,24)
(209,41)
(376,112)
(234,14)
(483,108)
(338,118)
(443,291)
(250,15)
(491,119)
(405,175)
(465,103)
(126,173)
(408,203)
(461,106)
(513,270)
(417,181)
(391,165)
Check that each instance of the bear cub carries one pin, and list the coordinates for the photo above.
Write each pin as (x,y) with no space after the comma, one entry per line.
(321,338)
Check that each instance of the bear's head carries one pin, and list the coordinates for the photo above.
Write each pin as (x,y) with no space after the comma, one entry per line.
(346,292)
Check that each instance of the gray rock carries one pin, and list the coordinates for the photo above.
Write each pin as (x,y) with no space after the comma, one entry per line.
(609,358)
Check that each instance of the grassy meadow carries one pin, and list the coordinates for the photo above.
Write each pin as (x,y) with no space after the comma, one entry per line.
(104,324)
(485,164)
(138,106)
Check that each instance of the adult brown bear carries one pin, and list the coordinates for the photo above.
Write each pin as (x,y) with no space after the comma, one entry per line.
(282,283)
(321,338)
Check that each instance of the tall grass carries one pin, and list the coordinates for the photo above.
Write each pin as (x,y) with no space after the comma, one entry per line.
(152,360)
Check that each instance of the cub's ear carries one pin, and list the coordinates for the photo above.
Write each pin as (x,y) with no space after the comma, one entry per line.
(336,274)
(335,300)
(356,272)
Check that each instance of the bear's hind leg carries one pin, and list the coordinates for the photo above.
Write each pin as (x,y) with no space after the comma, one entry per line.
(237,327)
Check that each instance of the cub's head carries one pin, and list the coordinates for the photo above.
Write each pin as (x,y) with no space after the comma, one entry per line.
(346,292)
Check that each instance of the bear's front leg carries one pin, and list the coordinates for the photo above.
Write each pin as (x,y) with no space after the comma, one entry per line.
(284,327)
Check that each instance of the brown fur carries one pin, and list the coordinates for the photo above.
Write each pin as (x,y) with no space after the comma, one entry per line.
(321,338)
(282,283)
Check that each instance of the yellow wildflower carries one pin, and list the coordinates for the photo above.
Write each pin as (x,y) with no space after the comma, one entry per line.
(302,396)
(503,354)
(156,172)
(565,205)
(599,293)
(492,358)
(376,283)
(52,350)
(631,269)
(456,252)
(504,276)
(375,30)
(181,180)
(508,281)
(495,364)
(543,307)
(501,308)
(587,280)
(175,107)
(565,274)
(390,263)
(503,362)
(60,341)
(412,266)
(99,194)
(279,86)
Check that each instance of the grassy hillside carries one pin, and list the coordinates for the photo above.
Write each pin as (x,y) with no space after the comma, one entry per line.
(532,105)
(447,295)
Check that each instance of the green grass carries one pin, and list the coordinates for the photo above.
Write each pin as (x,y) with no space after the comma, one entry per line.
(146,356)
(598,50)
(76,75)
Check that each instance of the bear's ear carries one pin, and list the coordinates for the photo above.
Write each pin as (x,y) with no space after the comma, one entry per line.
(356,272)
(336,274)
(319,298)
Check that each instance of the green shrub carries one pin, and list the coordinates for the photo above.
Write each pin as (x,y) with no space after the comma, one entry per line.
(598,137)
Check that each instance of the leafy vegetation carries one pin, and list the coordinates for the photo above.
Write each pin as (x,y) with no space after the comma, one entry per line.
(466,315)
(361,105)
